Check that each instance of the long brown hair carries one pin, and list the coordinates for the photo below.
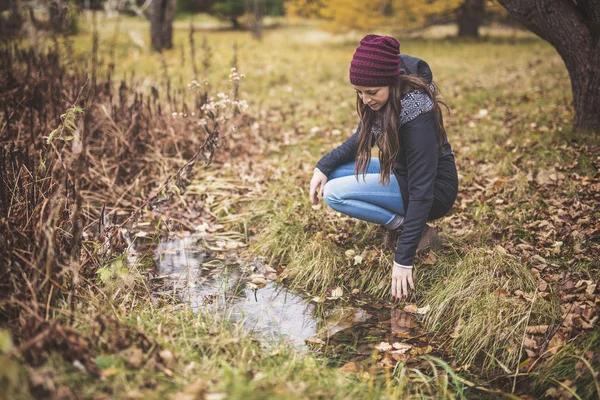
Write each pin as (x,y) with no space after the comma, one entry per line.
(389,119)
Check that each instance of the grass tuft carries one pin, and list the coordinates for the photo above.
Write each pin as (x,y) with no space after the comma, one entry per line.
(473,303)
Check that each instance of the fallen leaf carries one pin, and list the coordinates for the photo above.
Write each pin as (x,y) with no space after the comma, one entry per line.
(384,346)
(423,310)
(196,389)
(429,259)
(591,289)
(135,358)
(167,358)
(336,293)
(557,341)
(529,343)
(537,329)
(401,347)
(350,367)
(410,308)
(363,376)
(108,372)
(417,351)
(387,361)
(315,341)
(258,281)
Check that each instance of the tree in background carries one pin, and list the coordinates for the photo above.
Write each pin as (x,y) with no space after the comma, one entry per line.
(255,9)
(195,6)
(161,13)
(230,10)
(234,10)
(404,14)
(470,17)
(573,28)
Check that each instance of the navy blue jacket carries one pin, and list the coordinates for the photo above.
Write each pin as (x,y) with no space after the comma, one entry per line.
(425,170)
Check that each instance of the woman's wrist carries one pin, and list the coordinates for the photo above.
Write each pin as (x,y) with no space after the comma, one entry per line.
(402,266)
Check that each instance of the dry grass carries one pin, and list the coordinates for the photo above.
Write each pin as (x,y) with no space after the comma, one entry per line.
(472,301)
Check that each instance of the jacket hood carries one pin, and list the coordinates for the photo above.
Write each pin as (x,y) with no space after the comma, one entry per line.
(415,66)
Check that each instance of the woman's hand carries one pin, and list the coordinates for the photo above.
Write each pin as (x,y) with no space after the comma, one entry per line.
(318,180)
(401,281)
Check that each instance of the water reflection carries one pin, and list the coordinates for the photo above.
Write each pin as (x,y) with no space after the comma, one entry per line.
(273,311)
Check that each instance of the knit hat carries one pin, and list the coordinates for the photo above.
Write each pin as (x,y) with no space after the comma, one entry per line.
(376,61)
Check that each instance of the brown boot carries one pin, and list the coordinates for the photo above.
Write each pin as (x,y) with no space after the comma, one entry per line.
(390,240)
(429,239)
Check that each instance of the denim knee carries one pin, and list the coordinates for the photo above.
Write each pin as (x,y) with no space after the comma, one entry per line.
(331,195)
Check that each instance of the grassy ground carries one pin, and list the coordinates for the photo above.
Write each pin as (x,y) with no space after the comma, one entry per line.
(509,125)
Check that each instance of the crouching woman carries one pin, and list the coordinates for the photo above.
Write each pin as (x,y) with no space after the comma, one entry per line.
(413,180)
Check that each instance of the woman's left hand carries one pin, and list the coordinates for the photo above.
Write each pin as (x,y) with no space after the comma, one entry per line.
(401,281)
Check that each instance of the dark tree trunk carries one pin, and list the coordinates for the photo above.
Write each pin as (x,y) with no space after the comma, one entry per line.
(12,24)
(574,31)
(235,23)
(470,18)
(256,9)
(162,13)
(57,11)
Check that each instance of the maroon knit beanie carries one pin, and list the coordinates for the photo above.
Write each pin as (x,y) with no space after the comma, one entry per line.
(376,61)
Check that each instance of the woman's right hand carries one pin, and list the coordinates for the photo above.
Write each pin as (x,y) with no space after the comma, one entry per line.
(317,183)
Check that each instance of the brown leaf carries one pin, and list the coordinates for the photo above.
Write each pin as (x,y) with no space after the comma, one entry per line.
(194,391)
(402,357)
(429,259)
(387,360)
(350,367)
(537,329)
(530,343)
(135,358)
(167,358)
(557,341)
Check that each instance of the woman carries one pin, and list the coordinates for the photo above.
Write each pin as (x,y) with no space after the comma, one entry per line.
(414,179)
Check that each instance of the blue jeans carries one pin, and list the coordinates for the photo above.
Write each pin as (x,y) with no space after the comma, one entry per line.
(365,199)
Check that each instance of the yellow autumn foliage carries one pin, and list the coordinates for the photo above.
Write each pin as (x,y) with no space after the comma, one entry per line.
(345,15)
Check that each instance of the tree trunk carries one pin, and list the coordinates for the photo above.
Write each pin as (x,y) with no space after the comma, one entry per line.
(255,8)
(57,11)
(470,17)
(574,31)
(162,13)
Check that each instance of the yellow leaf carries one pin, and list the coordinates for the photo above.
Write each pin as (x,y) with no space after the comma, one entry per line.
(410,308)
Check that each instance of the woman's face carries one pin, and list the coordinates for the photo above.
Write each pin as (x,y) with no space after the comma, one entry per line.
(373,96)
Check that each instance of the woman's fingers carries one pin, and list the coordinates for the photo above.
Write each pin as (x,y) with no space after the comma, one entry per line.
(315,185)
(313,192)
(410,282)
(404,287)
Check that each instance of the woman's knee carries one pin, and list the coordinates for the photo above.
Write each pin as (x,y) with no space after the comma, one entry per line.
(332,195)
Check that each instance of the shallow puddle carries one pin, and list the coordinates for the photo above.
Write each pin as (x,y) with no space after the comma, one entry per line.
(271,311)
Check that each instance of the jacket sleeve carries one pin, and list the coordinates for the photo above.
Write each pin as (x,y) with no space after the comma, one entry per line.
(419,140)
(342,154)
